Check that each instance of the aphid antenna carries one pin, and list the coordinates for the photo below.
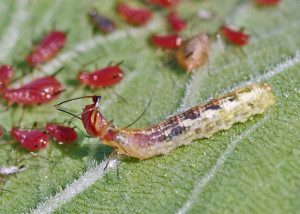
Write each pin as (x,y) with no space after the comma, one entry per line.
(111,63)
(90,62)
(144,111)
(67,32)
(120,63)
(58,71)
(60,91)
(40,156)
(7,190)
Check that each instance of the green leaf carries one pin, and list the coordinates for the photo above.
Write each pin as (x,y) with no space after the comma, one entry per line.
(251,168)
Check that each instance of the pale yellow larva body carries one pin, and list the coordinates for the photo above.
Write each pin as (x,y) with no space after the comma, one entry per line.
(199,122)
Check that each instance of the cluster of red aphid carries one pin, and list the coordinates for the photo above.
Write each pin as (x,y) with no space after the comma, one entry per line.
(38,91)
(37,139)
(139,16)
(190,54)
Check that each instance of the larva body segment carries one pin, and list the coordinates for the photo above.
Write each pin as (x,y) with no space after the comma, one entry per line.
(199,122)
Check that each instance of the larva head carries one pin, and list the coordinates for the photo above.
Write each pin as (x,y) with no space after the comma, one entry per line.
(94,122)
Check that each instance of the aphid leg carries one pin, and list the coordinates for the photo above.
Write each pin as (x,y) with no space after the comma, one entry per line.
(221,47)
(90,62)
(22,116)
(170,62)
(220,43)
(40,156)
(7,190)
(242,51)
(79,129)
(208,68)
(5,110)
(34,125)
(2,181)
(110,158)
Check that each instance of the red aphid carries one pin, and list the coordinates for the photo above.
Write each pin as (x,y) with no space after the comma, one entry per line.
(172,41)
(164,3)
(47,48)
(101,78)
(134,16)
(176,22)
(31,139)
(6,75)
(238,38)
(37,92)
(267,2)
(61,134)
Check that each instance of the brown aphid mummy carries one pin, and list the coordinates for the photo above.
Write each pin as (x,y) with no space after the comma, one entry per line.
(193,52)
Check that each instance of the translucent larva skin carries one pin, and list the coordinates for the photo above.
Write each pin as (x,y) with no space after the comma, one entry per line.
(199,122)
(193,52)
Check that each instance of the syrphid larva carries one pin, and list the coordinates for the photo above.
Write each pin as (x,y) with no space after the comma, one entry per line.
(201,121)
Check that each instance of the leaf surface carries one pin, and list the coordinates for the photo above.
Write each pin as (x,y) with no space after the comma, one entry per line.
(251,168)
